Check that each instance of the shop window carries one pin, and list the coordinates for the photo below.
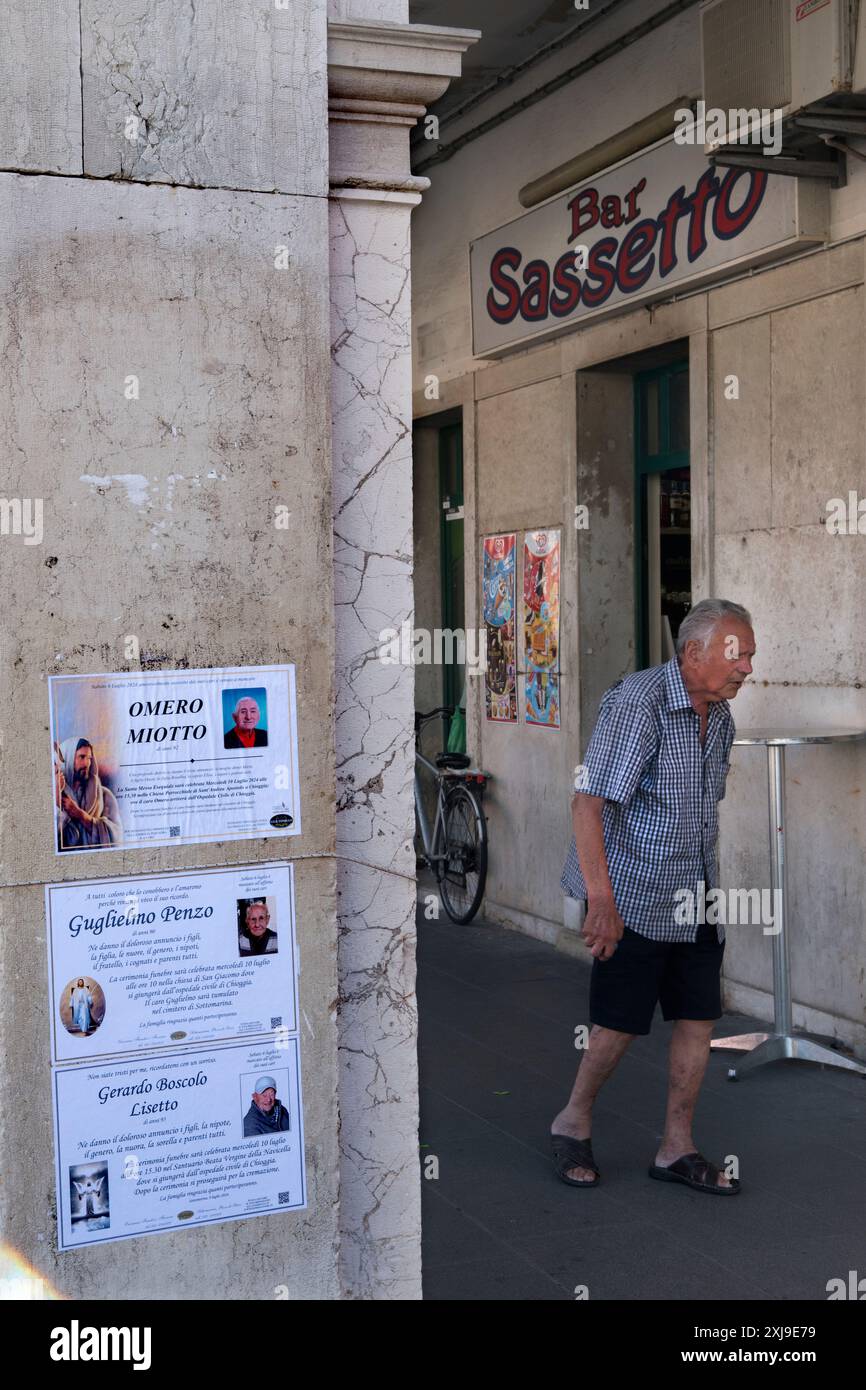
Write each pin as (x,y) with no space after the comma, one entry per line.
(663,510)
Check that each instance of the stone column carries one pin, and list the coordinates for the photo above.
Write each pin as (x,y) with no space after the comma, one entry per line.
(381,76)
(170,236)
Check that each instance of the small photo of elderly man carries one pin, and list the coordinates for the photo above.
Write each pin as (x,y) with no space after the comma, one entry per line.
(267,1114)
(256,936)
(245,718)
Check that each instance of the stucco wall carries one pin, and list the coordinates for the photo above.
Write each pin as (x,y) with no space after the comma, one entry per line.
(794,439)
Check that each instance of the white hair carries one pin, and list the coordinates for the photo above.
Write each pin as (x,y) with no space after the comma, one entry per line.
(701,621)
(240,702)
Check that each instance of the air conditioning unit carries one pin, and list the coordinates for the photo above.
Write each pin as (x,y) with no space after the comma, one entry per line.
(781,54)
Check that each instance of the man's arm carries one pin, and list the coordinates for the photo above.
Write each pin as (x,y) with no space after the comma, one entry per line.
(603,927)
(730,734)
(623,742)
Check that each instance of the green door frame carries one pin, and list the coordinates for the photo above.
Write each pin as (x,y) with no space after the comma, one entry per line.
(646,464)
(451,550)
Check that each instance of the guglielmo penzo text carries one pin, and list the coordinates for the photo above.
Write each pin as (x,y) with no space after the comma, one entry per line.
(169,913)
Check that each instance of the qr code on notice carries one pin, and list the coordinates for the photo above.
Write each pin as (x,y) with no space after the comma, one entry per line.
(174,831)
(277,1022)
(283,1198)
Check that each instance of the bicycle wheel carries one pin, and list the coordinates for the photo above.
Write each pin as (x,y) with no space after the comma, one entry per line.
(463,874)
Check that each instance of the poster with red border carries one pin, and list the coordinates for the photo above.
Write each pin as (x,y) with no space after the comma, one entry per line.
(498,587)
(541,572)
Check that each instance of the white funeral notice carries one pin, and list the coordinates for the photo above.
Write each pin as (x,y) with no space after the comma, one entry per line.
(153,1143)
(174,757)
(167,960)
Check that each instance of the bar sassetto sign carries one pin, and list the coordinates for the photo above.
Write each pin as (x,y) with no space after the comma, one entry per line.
(655,222)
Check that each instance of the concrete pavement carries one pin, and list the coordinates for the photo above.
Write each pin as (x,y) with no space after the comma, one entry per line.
(498,1014)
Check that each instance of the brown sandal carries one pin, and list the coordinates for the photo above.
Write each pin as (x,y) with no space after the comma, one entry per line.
(574,1153)
(695,1171)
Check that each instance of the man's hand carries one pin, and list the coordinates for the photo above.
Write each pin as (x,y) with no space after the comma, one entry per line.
(602,928)
(72,808)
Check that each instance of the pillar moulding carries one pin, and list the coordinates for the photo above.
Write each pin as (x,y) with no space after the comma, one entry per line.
(381,77)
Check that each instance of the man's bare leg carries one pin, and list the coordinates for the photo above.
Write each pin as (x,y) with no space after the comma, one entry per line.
(689,1054)
(604,1050)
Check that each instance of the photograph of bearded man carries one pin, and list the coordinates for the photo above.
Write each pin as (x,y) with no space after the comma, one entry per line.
(87,813)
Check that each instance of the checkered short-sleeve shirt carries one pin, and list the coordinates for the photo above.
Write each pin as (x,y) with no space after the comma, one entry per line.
(661,790)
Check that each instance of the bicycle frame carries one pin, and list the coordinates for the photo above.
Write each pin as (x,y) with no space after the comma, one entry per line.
(458,859)
(428,839)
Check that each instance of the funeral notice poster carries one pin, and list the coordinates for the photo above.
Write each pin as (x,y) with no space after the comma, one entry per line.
(157,1142)
(168,960)
(173,757)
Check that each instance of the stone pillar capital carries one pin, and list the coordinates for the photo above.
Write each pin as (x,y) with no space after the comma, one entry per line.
(381,79)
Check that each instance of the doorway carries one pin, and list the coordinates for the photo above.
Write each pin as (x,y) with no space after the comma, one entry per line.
(451,538)
(438,568)
(663,532)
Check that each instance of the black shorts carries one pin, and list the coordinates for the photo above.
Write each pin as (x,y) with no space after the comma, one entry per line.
(683,976)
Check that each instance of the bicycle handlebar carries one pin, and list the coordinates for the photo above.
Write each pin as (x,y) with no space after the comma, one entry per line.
(421,718)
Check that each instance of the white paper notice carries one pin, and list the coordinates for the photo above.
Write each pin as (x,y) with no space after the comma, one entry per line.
(154,1143)
(167,960)
(174,757)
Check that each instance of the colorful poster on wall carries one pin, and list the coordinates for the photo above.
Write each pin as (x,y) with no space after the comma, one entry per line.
(169,960)
(499,608)
(157,1142)
(174,757)
(541,557)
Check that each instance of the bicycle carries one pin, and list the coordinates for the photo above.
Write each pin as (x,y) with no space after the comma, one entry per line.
(456,848)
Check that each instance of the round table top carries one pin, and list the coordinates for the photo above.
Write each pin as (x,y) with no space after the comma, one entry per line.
(799,734)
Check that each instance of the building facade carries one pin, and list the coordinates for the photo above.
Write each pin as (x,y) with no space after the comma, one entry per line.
(699,390)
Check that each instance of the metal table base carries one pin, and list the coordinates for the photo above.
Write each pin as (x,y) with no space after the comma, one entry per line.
(783,1043)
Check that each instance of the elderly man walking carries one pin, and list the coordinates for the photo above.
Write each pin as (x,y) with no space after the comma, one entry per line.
(645,830)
